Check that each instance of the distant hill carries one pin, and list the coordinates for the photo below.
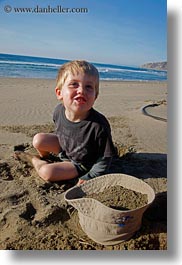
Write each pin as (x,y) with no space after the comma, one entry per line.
(157,66)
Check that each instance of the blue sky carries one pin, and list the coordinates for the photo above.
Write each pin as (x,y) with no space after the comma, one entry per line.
(125,32)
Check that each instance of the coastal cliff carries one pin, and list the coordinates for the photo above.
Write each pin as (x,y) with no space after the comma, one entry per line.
(157,66)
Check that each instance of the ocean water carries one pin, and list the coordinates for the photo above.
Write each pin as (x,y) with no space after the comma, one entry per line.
(37,67)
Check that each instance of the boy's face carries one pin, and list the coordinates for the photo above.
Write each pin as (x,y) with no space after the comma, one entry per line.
(78,93)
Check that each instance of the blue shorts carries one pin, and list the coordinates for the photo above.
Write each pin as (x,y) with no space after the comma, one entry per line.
(82,170)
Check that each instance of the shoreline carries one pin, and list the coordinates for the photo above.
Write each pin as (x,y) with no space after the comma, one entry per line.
(101,80)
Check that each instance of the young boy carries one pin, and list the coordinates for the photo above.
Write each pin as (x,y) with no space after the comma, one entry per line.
(82,139)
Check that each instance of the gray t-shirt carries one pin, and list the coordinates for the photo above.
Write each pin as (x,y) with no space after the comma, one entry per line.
(88,142)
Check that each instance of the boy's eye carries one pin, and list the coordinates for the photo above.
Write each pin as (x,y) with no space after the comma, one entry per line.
(73,84)
(89,87)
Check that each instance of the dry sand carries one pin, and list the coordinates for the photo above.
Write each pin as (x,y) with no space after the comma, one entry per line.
(33,214)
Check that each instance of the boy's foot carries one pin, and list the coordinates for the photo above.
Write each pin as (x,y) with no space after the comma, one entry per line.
(24,156)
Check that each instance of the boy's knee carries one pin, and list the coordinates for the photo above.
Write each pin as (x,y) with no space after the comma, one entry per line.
(45,173)
(37,140)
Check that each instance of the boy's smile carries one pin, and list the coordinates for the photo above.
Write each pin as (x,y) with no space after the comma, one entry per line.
(80,100)
(78,94)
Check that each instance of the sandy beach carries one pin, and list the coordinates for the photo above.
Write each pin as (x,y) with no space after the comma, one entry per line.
(33,214)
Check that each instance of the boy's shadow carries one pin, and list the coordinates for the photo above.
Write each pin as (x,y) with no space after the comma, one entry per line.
(141,165)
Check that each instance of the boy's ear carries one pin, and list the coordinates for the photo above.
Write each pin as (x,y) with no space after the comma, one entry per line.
(58,93)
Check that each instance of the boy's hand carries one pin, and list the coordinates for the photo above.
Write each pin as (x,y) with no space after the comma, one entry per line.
(81,181)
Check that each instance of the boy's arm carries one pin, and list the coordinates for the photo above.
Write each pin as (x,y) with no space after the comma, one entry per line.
(99,168)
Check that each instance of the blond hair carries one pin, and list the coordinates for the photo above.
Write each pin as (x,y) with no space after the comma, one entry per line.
(75,67)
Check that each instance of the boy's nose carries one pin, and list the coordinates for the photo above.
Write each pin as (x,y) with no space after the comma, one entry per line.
(81,89)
